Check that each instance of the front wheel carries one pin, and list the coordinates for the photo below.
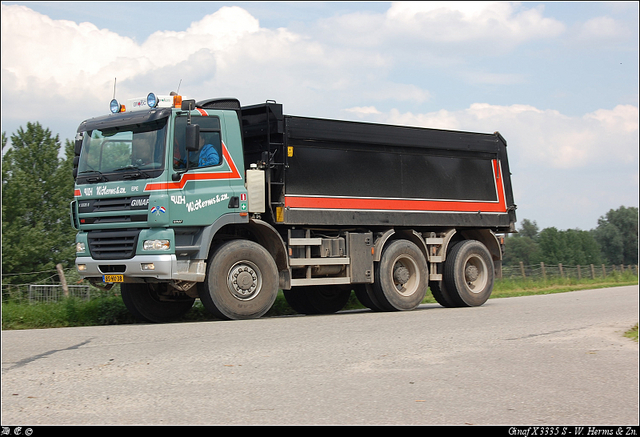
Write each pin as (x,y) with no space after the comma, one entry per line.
(469,274)
(241,283)
(153,303)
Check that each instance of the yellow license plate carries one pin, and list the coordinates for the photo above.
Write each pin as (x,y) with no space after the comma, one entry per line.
(113,278)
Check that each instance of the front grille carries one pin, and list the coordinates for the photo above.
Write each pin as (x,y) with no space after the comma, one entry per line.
(119,244)
(113,219)
(112,268)
(113,204)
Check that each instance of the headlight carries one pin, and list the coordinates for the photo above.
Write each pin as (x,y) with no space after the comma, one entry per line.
(156,245)
(79,247)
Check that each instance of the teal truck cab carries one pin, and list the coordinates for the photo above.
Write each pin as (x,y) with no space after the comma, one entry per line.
(177,200)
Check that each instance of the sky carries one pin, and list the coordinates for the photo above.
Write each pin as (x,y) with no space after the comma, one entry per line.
(559,81)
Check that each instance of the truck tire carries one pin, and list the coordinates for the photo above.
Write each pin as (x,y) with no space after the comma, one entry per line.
(367,297)
(439,289)
(441,294)
(468,274)
(241,282)
(143,301)
(320,299)
(401,277)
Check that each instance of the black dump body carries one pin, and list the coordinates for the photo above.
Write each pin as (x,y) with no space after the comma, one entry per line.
(340,173)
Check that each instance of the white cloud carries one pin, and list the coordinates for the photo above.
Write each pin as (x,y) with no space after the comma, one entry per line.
(602,28)
(482,77)
(363,111)
(444,21)
(82,51)
(224,53)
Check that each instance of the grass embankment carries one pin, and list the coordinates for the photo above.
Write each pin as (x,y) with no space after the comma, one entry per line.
(632,333)
(110,310)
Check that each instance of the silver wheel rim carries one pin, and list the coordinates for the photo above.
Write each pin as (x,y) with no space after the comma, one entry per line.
(244,280)
(475,274)
(405,275)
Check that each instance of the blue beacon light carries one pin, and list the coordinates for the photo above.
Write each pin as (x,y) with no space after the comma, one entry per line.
(152,100)
(114,106)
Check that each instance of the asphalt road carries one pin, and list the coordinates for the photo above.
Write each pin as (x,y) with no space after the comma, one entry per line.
(539,360)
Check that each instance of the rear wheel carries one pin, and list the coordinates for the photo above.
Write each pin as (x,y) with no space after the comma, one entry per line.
(441,294)
(241,283)
(367,297)
(439,289)
(153,303)
(469,274)
(401,277)
(321,299)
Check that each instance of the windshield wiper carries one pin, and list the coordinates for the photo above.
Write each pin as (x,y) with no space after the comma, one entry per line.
(99,178)
(138,173)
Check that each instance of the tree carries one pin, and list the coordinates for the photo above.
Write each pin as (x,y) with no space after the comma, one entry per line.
(617,234)
(523,246)
(551,246)
(521,249)
(570,247)
(36,190)
(529,229)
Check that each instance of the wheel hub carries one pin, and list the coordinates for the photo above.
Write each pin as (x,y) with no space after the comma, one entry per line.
(401,274)
(471,273)
(244,281)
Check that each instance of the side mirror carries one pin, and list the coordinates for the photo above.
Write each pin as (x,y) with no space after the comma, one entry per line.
(188,105)
(193,138)
(78,144)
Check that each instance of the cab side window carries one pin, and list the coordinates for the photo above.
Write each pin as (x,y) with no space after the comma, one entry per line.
(210,150)
(210,153)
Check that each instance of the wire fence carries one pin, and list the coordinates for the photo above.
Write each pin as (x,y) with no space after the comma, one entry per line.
(51,289)
(48,293)
(550,271)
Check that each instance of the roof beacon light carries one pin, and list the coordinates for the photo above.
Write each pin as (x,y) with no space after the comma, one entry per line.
(114,106)
(152,100)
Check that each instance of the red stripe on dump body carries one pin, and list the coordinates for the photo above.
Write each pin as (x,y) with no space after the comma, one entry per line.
(387,204)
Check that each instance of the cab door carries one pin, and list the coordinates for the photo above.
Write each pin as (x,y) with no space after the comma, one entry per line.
(202,194)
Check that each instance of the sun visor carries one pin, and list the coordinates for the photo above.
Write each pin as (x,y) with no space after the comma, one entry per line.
(123,119)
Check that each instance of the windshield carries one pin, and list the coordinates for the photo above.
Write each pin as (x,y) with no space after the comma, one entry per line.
(123,152)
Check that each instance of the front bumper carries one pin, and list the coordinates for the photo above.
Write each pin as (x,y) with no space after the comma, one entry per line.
(166,268)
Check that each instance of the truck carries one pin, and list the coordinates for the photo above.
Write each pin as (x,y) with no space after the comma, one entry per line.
(177,200)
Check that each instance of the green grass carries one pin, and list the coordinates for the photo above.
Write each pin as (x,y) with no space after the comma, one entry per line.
(110,310)
(632,333)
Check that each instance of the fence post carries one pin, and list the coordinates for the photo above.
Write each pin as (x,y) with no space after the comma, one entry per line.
(561,271)
(579,275)
(63,280)
(522,270)
(621,268)
(544,273)
(604,271)
(593,272)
